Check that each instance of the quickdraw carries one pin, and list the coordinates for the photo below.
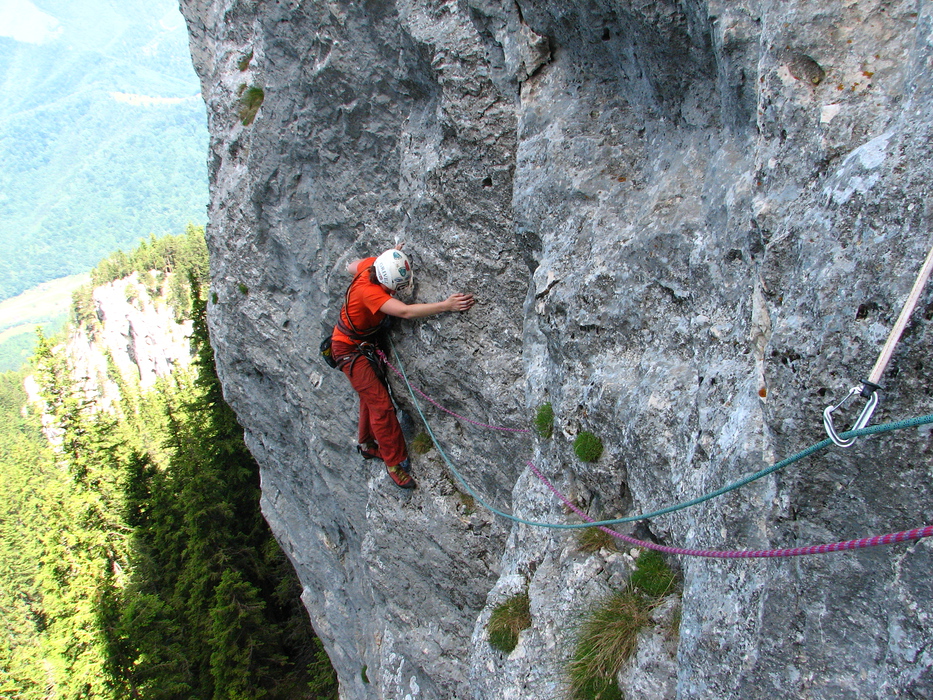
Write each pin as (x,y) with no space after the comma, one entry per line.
(870,387)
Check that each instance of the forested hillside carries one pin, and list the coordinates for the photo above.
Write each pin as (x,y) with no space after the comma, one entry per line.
(102,134)
(135,561)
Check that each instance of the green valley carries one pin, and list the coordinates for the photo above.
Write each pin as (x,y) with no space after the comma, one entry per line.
(46,306)
(102,134)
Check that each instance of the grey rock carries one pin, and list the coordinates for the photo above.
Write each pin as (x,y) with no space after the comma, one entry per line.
(136,332)
(682,246)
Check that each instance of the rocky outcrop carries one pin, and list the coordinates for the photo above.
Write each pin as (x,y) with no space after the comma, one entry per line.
(134,338)
(689,227)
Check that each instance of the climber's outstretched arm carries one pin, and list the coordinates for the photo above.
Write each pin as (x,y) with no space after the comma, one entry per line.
(455,302)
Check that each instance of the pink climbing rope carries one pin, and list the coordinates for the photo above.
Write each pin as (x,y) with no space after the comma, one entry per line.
(446,410)
(890,538)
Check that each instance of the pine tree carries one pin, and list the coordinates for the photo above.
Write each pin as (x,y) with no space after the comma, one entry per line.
(83,548)
(214,622)
(25,463)
(135,561)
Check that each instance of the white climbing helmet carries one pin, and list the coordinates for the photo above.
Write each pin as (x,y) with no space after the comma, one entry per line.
(393,270)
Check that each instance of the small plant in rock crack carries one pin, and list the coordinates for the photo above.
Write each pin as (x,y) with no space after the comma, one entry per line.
(421,443)
(507,620)
(544,420)
(592,539)
(652,575)
(588,447)
(250,101)
(608,636)
(606,640)
(469,503)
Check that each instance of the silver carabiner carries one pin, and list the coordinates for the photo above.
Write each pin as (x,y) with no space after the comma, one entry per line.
(863,418)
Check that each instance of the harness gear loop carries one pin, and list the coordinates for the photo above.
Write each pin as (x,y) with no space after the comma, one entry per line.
(371,353)
(869,388)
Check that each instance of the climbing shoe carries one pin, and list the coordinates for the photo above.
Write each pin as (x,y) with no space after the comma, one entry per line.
(401,478)
(406,465)
(368,450)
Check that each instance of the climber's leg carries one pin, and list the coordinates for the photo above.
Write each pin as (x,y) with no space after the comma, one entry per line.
(377,415)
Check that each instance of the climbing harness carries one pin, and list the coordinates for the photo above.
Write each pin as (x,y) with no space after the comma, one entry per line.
(890,538)
(869,388)
(349,328)
(366,341)
(368,350)
(351,331)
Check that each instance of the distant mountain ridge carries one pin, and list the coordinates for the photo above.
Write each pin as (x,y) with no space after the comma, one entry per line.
(86,170)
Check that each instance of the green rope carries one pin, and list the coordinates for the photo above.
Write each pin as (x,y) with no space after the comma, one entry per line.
(871,430)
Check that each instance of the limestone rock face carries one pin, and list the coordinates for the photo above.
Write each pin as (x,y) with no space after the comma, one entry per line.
(136,336)
(689,227)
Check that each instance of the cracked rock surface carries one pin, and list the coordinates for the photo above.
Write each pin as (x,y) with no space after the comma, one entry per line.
(689,226)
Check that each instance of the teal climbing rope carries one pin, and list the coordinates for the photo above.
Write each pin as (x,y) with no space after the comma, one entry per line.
(872,430)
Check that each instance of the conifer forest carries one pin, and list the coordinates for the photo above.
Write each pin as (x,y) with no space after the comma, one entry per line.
(136,562)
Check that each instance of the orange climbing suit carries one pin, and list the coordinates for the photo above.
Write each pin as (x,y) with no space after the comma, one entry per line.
(378,422)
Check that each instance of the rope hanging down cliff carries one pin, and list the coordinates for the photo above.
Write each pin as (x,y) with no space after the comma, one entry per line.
(889,538)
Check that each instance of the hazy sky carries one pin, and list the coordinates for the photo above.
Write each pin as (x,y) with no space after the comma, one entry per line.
(103,136)
(23,21)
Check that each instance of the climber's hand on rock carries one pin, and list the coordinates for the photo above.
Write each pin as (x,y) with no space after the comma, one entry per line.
(460,302)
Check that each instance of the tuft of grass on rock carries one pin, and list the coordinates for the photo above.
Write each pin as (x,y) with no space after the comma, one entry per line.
(592,539)
(607,640)
(587,446)
(544,420)
(507,620)
(250,101)
(609,634)
(421,443)
(652,575)
(244,61)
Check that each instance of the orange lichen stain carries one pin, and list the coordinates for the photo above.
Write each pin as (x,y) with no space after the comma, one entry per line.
(763,392)
(840,87)
(868,73)
(621,178)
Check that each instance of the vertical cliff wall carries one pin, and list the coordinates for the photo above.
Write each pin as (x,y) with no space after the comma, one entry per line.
(689,226)
(134,337)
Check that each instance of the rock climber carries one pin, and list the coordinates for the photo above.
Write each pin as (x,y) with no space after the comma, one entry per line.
(370,300)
